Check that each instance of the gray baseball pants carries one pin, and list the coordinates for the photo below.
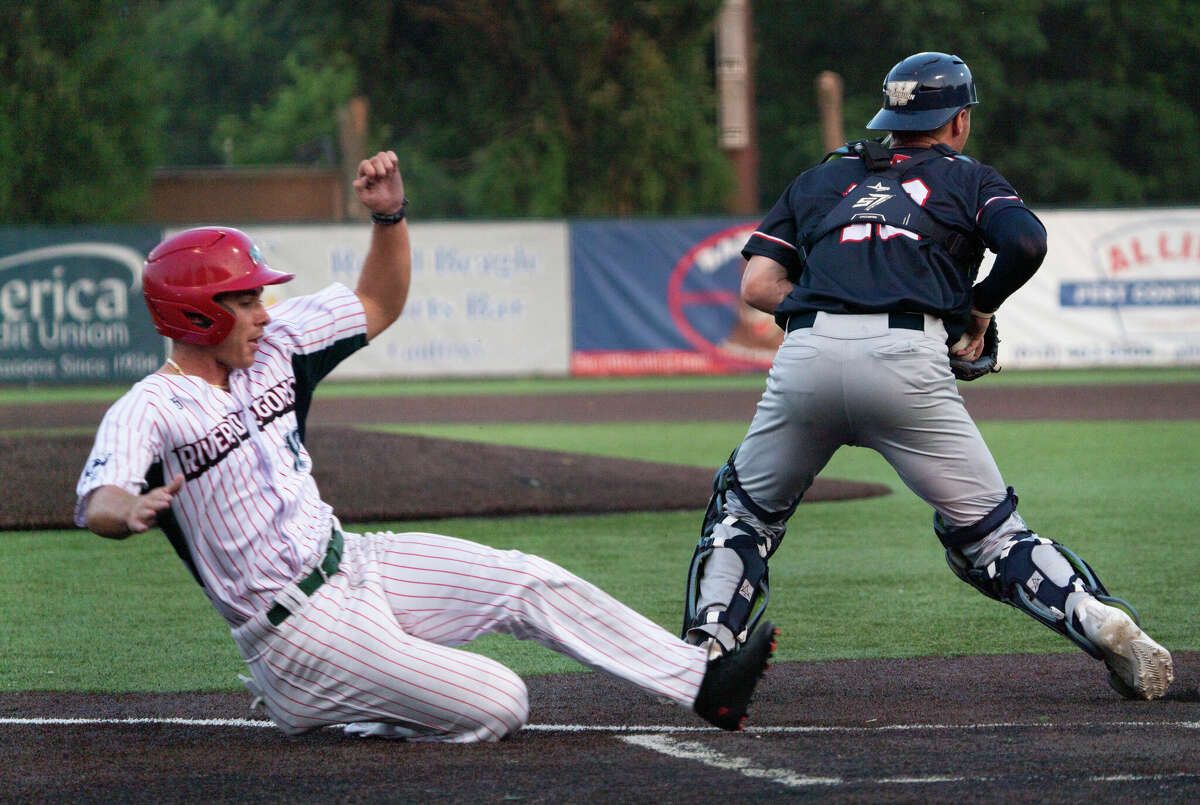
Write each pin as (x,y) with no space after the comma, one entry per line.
(856,380)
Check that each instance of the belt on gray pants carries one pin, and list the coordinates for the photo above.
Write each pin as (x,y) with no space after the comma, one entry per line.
(310,583)
(902,321)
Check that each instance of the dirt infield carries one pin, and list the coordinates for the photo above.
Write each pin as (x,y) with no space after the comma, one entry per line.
(1013,729)
(1017,729)
(1109,401)
(408,477)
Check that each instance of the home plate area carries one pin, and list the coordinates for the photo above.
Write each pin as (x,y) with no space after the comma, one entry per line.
(923,729)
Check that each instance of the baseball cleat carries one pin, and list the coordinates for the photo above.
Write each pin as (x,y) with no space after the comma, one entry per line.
(259,701)
(730,679)
(379,729)
(1139,668)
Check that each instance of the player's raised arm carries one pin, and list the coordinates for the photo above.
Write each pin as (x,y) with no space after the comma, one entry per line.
(383,284)
(114,513)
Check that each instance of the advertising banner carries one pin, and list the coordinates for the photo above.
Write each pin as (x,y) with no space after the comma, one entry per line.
(1117,288)
(71,308)
(662,297)
(487,299)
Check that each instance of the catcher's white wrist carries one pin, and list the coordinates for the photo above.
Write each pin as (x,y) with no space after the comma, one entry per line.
(979,314)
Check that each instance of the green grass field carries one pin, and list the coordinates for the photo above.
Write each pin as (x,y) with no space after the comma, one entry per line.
(852,579)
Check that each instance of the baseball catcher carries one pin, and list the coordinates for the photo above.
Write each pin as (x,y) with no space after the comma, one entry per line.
(869,262)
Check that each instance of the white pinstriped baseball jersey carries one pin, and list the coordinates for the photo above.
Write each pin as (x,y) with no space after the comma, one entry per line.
(374,642)
(249,517)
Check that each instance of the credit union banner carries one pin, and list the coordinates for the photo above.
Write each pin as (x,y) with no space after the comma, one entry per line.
(71,307)
(1117,288)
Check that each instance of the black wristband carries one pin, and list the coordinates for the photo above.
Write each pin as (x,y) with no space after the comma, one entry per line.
(388,219)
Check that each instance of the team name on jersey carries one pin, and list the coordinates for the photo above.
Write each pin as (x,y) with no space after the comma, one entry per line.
(199,456)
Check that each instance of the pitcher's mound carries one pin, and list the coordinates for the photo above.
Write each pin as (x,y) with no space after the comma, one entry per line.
(375,476)
(369,476)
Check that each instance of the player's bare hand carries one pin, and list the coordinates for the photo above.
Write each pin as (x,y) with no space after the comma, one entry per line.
(970,345)
(143,513)
(379,184)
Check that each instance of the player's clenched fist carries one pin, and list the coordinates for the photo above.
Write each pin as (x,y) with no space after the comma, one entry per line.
(379,185)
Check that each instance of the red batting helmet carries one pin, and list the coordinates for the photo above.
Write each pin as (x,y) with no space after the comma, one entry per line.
(185,272)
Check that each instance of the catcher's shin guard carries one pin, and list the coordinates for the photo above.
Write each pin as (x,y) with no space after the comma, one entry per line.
(1039,577)
(732,553)
(731,620)
(713,513)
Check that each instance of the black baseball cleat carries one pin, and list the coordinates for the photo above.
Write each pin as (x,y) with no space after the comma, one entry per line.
(730,679)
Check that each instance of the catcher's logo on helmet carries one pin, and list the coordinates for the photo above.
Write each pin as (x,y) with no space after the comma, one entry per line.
(900,93)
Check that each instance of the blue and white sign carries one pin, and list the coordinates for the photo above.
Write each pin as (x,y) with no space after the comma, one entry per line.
(1117,288)
(487,299)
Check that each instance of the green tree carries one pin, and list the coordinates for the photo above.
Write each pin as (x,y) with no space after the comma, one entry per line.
(78,135)
(298,123)
(527,107)
(1083,102)
(573,107)
(1105,112)
(244,82)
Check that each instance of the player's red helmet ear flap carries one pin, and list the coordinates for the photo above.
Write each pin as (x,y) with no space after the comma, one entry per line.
(923,92)
(185,272)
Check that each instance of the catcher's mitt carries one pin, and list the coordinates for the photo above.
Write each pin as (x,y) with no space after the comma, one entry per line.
(985,363)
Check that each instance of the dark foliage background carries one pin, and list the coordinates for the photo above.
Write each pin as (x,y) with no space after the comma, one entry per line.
(552,108)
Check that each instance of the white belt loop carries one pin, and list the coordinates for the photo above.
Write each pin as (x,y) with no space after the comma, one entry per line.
(935,327)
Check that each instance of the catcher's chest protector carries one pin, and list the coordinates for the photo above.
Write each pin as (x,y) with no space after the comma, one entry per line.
(881,199)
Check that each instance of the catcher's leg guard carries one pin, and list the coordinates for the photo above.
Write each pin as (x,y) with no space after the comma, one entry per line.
(727,584)
(1042,578)
(735,552)
(1039,576)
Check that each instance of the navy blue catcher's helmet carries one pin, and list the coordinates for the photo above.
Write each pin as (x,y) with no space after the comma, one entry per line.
(923,92)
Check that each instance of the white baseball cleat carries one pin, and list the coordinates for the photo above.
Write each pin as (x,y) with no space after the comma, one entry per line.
(259,701)
(378,729)
(1139,667)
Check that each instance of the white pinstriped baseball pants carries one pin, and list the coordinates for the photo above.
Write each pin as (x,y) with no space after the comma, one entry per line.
(374,642)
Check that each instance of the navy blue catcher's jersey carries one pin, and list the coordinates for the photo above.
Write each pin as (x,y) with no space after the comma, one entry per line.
(875,268)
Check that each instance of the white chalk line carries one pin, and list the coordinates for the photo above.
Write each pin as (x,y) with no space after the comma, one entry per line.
(109,722)
(666,745)
(642,728)
(657,738)
(689,750)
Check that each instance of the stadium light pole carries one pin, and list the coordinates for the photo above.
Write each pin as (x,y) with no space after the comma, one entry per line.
(737,129)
